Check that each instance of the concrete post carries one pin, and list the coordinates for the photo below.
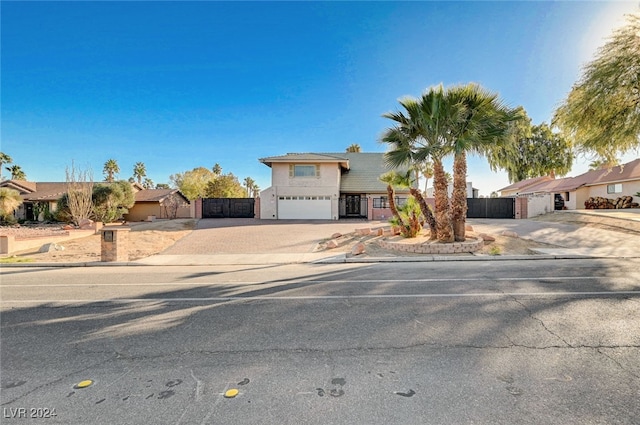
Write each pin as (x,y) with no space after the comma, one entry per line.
(114,243)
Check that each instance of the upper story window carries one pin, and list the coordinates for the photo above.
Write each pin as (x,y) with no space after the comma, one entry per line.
(614,188)
(304,170)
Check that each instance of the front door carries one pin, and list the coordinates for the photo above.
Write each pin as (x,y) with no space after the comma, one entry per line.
(353,205)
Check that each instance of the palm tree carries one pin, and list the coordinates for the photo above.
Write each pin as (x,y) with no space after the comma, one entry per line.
(147,183)
(255,190)
(484,121)
(248,183)
(110,170)
(16,172)
(4,159)
(401,154)
(139,171)
(426,130)
(426,170)
(10,200)
(354,147)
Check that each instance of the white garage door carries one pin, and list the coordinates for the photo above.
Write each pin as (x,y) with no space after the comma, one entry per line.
(304,207)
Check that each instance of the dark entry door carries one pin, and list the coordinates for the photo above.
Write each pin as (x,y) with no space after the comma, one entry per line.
(353,205)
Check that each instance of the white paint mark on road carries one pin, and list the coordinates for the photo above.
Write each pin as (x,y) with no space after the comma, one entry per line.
(335,297)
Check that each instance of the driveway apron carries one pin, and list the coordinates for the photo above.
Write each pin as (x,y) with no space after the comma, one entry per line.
(252,236)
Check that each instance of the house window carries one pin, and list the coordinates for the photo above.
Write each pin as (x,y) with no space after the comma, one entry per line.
(304,170)
(614,188)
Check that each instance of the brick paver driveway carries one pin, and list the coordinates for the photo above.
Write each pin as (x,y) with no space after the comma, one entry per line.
(252,236)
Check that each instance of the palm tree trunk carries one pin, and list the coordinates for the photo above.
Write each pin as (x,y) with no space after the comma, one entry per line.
(426,211)
(392,206)
(459,196)
(443,220)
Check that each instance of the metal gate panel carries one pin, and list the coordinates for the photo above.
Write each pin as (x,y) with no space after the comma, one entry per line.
(491,208)
(228,208)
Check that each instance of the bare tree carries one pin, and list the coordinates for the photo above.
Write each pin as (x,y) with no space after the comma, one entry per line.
(170,206)
(79,192)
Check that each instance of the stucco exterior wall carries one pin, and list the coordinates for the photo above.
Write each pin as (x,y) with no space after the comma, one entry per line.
(326,184)
(539,204)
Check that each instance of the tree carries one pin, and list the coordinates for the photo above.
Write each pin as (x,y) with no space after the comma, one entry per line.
(420,133)
(531,151)
(4,159)
(112,201)
(601,114)
(354,147)
(225,186)
(601,163)
(16,172)
(407,217)
(79,193)
(193,184)
(162,186)
(426,170)
(248,183)
(139,171)
(147,183)
(217,169)
(10,200)
(483,122)
(110,170)
(255,190)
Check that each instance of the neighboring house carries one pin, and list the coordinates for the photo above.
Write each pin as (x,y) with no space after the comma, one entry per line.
(472,192)
(43,194)
(623,180)
(149,202)
(159,203)
(327,186)
(521,186)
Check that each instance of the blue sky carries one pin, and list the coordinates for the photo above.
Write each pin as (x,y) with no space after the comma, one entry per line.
(182,85)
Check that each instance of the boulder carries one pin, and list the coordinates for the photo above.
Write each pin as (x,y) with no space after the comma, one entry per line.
(85,224)
(68,227)
(331,244)
(50,247)
(364,232)
(358,249)
(468,228)
(486,238)
(336,235)
(509,234)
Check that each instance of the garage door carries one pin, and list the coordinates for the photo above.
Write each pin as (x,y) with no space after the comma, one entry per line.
(304,207)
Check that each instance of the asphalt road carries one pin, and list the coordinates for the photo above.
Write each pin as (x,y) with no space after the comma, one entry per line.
(528,342)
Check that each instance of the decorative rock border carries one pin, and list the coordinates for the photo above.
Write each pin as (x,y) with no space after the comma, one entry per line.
(470,245)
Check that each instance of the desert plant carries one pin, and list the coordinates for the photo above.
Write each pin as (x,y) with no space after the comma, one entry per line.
(111,201)
(79,191)
(410,218)
(10,200)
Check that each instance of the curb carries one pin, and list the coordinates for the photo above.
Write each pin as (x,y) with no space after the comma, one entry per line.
(330,260)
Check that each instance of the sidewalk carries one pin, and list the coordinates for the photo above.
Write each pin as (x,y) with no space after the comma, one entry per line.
(607,234)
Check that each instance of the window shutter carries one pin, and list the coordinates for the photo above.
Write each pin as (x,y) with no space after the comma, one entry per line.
(291,168)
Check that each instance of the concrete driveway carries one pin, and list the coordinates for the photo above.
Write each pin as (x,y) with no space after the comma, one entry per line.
(252,236)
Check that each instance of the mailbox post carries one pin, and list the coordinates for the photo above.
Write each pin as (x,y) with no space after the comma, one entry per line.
(114,243)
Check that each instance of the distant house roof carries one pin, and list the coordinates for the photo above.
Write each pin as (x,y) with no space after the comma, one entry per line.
(626,172)
(361,171)
(45,191)
(523,184)
(157,195)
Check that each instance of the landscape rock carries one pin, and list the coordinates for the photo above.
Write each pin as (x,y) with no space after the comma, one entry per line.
(336,235)
(364,232)
(331,244)
(358,249)
(509,234)
(68,227)
(50,247)
(468,228)
(486,238)
(85,224)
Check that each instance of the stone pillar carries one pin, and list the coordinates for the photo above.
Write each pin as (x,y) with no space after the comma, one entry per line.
(115,243)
